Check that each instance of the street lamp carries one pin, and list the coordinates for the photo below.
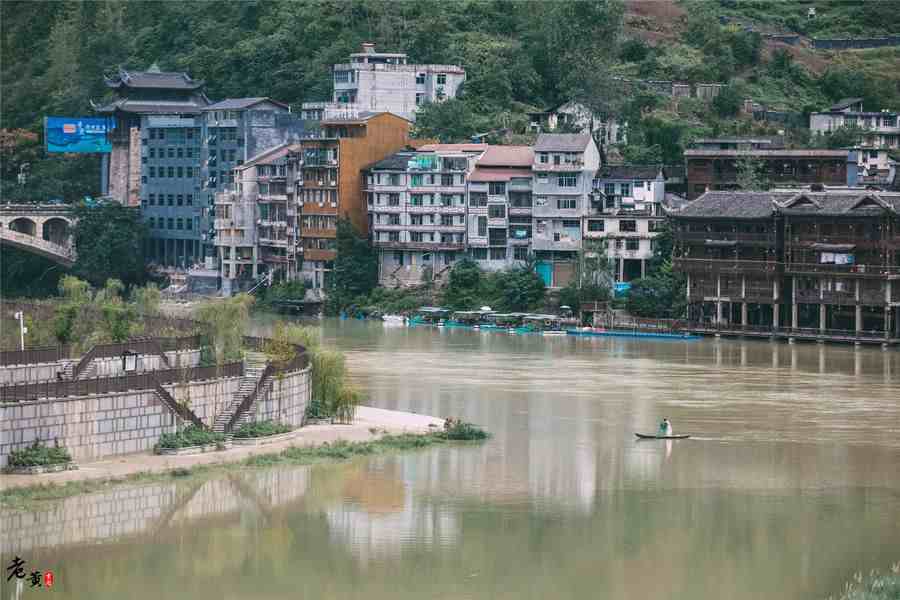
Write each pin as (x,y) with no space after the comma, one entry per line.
(22,329)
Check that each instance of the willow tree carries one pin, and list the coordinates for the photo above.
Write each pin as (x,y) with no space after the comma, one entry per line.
(227,320)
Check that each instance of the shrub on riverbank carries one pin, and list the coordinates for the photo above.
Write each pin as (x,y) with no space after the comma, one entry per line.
(191,435)
(38,454)
(261,429)
(458,430)
(877,586)
(332,395)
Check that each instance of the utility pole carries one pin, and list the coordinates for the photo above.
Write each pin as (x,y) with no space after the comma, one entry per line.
(22,329)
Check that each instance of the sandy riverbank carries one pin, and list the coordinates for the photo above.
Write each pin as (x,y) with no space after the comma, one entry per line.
(368,419)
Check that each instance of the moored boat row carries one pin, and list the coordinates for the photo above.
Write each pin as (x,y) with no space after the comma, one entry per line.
(524,323)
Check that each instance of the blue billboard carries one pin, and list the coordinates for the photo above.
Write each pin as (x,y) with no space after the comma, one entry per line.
(75,134)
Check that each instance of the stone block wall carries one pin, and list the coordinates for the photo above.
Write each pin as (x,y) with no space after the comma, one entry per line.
(206,398)
(106,367)
(32,373)
(91,427)
(287,399)
(94,427)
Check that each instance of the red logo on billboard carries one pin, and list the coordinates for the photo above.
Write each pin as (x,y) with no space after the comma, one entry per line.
(69,128)
(48,579)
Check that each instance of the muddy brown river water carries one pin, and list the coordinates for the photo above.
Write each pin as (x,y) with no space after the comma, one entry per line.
(789,485)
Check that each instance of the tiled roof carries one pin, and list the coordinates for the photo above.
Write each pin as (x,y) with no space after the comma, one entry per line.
(481,174)
(394,162)
(153,78)
(731,205)
(767,153)
(639,172)
(160,107)
(268,155)
(562,142)
(761,205)
(845,103)
(453,147)
(242,103)
(738,140)
(834,204)
(507,156)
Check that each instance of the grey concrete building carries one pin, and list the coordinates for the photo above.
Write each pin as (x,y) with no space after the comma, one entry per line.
(417,211)
(563,170)
(234,131)
(626,212)
(500,207)
(386,82)
(256,226)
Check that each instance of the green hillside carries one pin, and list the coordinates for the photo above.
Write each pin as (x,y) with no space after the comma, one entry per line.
(518,56)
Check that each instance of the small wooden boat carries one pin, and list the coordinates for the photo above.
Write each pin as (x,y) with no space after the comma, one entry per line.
(644,436)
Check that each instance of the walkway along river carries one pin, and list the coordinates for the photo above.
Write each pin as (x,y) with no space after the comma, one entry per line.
(788,486)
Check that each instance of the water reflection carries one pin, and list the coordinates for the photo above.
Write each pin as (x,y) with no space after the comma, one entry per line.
(788,485)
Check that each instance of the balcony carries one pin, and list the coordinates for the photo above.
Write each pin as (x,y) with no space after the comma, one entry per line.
(387,227)
(814,296)
(437,209)
(309,232)
(419,245)
(387,209)
(712,265)
(809,240)
(519,210)
(317,254)
(725,236)
(497,222)
(560,168)
(278,242)
(861,271)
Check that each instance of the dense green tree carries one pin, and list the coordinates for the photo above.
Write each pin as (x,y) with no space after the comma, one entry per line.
(751,174)
(109,240)
(515,290)
(452,120)
(729,101)
(463,290)
(355,271)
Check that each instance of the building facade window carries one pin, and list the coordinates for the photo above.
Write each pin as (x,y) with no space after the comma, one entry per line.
(632,244)
(497,211)
(595,225)
(566,203)
(628,226)
(497,188)
(482,226)
(567,180)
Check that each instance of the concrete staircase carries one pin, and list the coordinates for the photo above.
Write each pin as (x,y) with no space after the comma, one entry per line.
(89,372)
(67,370)
(254,365)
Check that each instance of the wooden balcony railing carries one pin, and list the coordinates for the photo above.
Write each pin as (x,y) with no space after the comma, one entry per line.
(711,265)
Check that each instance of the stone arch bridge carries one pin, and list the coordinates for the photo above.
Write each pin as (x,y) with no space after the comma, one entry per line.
(43,229)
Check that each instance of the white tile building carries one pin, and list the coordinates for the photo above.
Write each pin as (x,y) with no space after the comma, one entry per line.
(386,82)
(626,211)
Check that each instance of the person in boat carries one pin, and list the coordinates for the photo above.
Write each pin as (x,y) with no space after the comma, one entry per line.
(665,428)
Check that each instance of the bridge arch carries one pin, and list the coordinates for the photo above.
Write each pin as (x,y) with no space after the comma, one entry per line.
(23,225)
(56,230)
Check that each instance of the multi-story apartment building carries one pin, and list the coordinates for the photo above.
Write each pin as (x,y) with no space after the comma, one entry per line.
(798,263)
(715,170)
(627,211)
(880,133)
(880,129)
(500,207)
(236,130)
(171,101)
(255,224)
(386,82)
(574,116)
(417,211)
(563,171)
(324,178)
(738,143)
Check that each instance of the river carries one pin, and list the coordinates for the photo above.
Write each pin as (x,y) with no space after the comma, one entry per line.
(789,485)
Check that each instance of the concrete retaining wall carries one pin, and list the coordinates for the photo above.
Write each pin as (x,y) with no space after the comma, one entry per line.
(206,398)
(105,367)
(94,427)
(287,399)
